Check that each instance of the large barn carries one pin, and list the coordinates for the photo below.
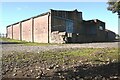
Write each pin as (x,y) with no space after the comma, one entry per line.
(59,26)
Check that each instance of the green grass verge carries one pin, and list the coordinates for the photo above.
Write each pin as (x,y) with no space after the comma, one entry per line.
(95,55)
(10,40)
(27,43)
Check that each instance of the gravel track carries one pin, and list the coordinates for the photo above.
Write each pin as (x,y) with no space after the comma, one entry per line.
(23,48)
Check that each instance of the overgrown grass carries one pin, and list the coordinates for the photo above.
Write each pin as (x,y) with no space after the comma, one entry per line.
(10,40)
(27,43)
(95,55)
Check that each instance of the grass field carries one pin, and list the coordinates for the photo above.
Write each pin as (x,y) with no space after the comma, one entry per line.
(27,43)
(96,55)
(92,54)
(64,63)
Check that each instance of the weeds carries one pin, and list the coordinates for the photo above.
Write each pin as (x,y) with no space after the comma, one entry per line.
(91,54)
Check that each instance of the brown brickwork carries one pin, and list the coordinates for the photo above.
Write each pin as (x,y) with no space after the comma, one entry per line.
(41,29)
(16,31)
(9,32)
(27,30)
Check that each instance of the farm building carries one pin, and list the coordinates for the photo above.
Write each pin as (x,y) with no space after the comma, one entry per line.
(58,26)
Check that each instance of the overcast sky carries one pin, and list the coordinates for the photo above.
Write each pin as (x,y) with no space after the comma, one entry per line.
(16,11)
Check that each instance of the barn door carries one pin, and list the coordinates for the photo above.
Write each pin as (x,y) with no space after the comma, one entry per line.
(69,30)
(69,26)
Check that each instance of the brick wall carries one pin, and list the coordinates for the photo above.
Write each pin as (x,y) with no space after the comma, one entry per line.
(101,34)
(16,31)
(41,29)
(9,32)
(34,29)
(59,19)
(110,36)
(27,30)
(59,25)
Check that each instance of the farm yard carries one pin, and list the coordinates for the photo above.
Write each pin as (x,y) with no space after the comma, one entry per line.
(85,61)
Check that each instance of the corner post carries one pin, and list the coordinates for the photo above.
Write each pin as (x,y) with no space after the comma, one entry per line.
(20,30)
(12,31)
(32,29)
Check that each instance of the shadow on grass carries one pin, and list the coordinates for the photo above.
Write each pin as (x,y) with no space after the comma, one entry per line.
(12,42)
(28,43)
(88,72)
